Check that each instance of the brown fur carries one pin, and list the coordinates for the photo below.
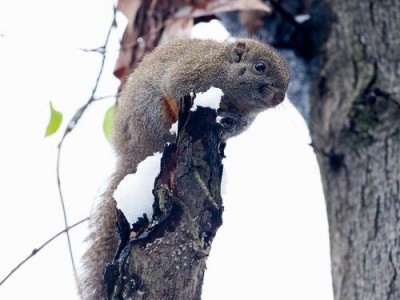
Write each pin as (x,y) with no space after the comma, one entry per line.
(169,109)
(147,107)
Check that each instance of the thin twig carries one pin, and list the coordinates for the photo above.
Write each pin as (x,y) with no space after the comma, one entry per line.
(100,50)
(71,125)
(104,97)
(36,250)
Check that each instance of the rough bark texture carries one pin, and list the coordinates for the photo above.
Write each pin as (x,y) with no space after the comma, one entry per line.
(356,134)
(167,259)
(348,53)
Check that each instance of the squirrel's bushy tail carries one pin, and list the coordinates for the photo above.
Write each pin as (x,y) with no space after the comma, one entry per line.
(103,243)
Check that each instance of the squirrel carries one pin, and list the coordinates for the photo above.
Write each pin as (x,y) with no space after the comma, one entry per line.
(253,78)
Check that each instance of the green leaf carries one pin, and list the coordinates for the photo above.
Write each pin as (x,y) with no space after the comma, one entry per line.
(55,121)
(108,122)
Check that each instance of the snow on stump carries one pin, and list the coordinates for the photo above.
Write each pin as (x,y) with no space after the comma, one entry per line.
(163,256)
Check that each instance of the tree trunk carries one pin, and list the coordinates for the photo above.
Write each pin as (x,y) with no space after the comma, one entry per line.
(167,258)
(356,134)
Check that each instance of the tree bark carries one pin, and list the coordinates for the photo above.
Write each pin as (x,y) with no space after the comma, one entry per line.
(356,134)
(167,258)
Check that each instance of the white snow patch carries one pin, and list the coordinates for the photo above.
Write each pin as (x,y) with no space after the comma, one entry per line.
(302,18)
(174,128)
(134,193)
(224,182)
(211,98)
(213,30)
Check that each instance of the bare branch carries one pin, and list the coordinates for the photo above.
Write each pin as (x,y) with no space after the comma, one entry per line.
(101,50)
(71,125)
(104,97)
(36,250)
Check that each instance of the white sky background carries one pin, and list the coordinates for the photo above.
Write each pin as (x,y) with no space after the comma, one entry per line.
(274,240)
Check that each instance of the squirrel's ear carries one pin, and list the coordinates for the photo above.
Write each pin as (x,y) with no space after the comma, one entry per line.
(238,50)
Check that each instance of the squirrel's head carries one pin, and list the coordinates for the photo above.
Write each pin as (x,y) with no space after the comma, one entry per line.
(257,74)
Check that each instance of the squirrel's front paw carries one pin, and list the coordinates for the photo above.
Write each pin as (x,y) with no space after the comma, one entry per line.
(232,123)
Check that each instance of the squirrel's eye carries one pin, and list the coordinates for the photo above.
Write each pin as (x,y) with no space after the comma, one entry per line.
(260,67)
